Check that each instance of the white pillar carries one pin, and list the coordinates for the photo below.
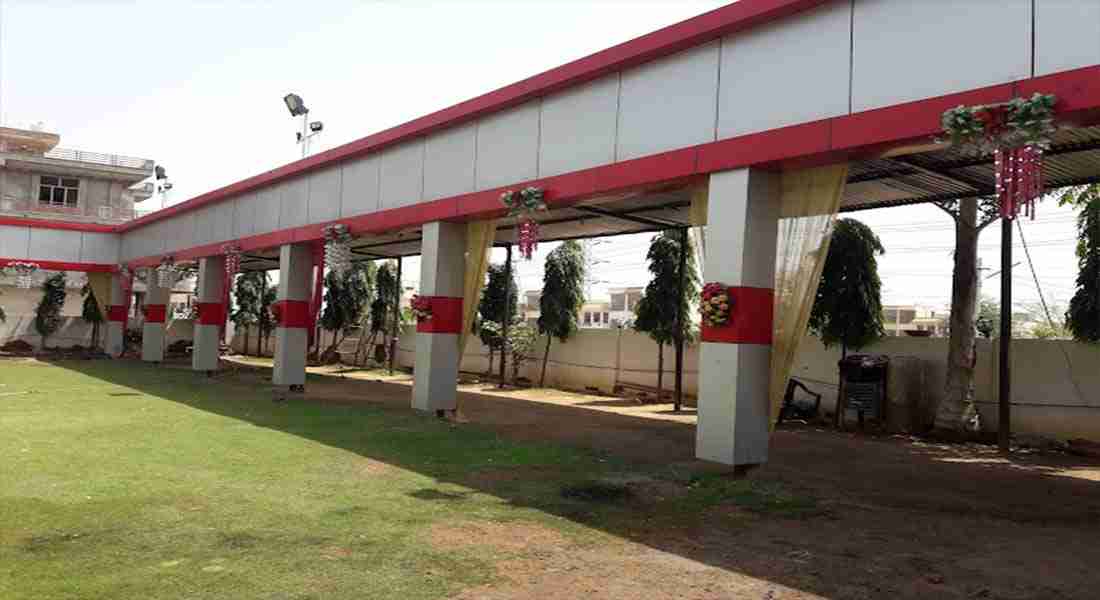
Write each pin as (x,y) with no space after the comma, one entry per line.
(735,359)
(292,306)
(156,313)
(116,316)
(442,263)
(210,296)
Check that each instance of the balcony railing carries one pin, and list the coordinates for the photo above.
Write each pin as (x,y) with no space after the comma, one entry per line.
(101,214)
(99,158)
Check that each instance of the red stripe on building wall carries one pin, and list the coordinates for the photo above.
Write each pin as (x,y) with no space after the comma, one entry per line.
(155,313)
(751,318)
(446,316)
(55,224)
(116,313)
(53,265)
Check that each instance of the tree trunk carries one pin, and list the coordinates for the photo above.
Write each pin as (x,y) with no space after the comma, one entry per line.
(244,346)
(660,369)
(957,405)
(489,371)
(545,358)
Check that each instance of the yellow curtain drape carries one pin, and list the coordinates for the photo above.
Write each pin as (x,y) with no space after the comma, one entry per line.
(479,243)
(100,283)
(809,203)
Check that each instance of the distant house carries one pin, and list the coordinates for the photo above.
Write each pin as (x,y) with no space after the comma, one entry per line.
(899,319)
(594,314)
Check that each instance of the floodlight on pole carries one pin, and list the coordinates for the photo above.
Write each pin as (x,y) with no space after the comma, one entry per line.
(297,108)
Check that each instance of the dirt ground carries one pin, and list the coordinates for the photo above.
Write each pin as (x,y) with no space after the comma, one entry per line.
(901,518)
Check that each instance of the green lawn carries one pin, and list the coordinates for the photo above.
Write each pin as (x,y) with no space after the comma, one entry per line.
(120,480)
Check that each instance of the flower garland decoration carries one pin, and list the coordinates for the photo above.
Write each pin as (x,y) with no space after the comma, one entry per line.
(524,204)
(1016,132)
(716,305)
(24,274)
(337,248)
(166,272)
(421,307)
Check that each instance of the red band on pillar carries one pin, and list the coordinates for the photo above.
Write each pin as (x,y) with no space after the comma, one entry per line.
(116,313)
(155,313)
(211,313)
(291,314)
(446,316)
(751,318)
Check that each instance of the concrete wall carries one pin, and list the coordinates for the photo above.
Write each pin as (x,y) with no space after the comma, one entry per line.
(19,305)
(58,245)
(841,57)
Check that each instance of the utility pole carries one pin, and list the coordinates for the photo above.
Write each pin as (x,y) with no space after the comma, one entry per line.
(1004,388)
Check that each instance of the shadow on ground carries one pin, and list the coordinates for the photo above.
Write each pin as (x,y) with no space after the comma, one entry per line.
(894,517)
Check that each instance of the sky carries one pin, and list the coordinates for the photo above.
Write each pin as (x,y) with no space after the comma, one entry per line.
(198,87)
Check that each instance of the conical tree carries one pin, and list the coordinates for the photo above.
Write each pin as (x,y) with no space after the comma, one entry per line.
(848,306)
(347,295)
(493,308)
(246,299)
(1083,316)
(47,316)
(562,296)
(663,302)
(90,313)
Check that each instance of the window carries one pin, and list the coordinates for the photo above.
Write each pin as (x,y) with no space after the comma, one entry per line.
(587,318)
(58,191)
(605,319)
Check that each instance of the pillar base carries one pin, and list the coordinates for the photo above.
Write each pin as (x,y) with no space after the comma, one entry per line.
(435,385)
(152,342)
(114,342)
(290,359)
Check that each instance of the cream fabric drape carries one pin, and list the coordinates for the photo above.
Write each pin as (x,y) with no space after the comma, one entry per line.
(809,203)
(101,288)
(479,243)
(697,216)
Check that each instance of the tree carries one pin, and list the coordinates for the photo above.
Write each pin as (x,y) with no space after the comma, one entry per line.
(1083,315)
(90,312)
(380,314)
(247,291)
(347,295)
(562,296)
(848,306)
(989,315)
(494,309)
(657,313)
(521,343)
(971,216)
(47,316)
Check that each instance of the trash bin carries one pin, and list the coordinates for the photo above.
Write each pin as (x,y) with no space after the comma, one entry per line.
(863,379)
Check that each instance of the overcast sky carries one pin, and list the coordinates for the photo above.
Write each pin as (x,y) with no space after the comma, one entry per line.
(198,87)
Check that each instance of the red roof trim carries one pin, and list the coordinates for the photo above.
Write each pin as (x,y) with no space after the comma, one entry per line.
(698,30)
(52,224)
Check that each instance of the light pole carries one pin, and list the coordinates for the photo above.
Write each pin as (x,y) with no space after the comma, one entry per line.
(298,108)
(161,185)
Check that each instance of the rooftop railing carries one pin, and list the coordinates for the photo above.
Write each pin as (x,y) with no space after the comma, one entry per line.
(99,158)
(79,214)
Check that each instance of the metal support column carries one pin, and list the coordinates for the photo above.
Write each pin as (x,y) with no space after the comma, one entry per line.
(396,331)
(1004,388)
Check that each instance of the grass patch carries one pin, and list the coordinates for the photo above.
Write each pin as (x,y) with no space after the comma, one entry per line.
(123,480)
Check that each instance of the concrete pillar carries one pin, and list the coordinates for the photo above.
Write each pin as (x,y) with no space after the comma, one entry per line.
(735,359)
(117,308)
(156,313)
(292,314)
(210,297)
(442,263)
